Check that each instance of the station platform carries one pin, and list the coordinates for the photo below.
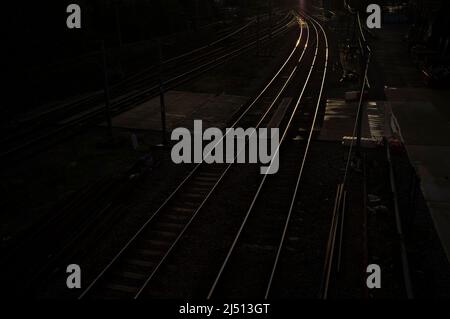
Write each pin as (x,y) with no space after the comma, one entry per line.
(425,132)
(182,108)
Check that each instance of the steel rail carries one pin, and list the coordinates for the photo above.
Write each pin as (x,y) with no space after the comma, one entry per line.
(250,210)
(185,180)
(300,174)
(276,99)
(331,242)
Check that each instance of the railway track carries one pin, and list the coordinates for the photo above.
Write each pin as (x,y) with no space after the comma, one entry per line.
(133,268)
(263,247)
(49,127)
(265,234)
(291,101)
(66,230)
(98,204)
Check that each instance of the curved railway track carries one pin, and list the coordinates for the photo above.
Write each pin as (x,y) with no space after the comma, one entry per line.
(134,270)
(129,273)
(262,249)
(253,248)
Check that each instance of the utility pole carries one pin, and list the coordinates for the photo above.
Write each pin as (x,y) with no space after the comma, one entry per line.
(106,85)
(161,94)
